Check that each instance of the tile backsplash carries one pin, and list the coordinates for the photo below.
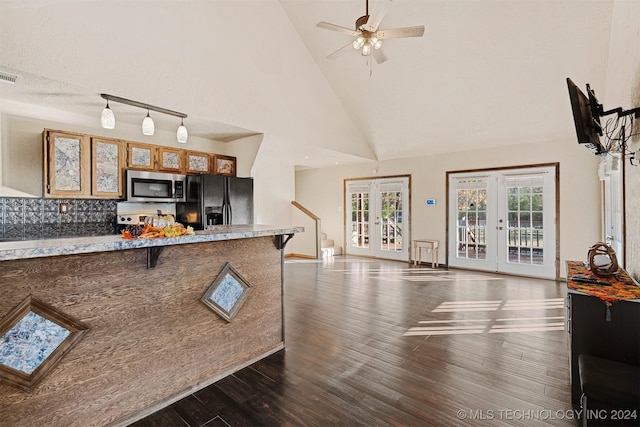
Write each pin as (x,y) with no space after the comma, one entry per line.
(33,218)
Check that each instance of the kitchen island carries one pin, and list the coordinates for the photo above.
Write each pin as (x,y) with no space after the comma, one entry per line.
(150,340)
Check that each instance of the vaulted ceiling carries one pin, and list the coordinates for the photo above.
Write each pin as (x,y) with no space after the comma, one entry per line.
(486,73)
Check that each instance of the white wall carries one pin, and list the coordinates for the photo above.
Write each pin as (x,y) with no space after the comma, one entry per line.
(245,150)
(273,185)
(623,90)
(321,190)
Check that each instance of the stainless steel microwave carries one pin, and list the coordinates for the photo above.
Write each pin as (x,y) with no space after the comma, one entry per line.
(143,186)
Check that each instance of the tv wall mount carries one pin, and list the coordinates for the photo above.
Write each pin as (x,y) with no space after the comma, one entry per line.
(617,131)
(598,110)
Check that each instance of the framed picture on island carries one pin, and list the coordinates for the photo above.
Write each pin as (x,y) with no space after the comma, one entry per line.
(227,293)
(224,165)
(34,337)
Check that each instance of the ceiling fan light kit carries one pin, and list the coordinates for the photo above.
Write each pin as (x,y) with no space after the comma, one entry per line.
(108,120)
(368,36)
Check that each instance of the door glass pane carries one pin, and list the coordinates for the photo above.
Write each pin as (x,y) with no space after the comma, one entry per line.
(472,223)
(360,220)
(391,226)
(524,224)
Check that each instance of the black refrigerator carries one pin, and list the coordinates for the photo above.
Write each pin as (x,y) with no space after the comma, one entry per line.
(216,199)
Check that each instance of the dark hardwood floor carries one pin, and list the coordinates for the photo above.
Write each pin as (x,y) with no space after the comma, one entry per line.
(377,343)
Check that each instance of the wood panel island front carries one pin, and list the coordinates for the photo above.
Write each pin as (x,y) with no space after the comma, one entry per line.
(149,338)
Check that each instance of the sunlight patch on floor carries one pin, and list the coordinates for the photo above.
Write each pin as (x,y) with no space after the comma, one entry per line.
(455,306)
(492,326)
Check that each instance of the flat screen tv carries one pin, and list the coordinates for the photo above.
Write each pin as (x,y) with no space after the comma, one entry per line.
(586,117)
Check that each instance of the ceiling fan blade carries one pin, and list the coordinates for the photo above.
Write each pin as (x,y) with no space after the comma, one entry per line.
(379,56)
(378,11)
(338,28)
(395,33)
(340,51)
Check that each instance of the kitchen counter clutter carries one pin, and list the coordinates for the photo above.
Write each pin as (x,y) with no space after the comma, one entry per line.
(80,245)
(150,336)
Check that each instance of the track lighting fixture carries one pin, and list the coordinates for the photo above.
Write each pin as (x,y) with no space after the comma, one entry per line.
(108,119)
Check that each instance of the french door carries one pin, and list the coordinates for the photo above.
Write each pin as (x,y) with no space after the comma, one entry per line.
(377,217)
(504,221)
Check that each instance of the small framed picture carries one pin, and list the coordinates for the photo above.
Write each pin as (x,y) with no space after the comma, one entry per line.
(224,165)
(227,293)
(34,337)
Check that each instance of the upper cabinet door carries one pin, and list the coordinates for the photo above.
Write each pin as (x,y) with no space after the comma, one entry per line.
(197,162)
(141,156)
(170,159)
(67,164)
(107,166)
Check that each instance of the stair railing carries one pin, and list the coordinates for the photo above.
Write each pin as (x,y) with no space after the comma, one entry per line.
(312,239)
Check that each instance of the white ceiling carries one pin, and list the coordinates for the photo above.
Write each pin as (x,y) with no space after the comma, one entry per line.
(486,73)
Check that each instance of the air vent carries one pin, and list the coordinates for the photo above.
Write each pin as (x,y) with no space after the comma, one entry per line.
(7,77)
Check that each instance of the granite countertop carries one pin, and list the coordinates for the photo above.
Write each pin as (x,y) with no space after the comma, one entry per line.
(80,245)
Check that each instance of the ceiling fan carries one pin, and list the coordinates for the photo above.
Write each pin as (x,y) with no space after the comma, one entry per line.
(368,35)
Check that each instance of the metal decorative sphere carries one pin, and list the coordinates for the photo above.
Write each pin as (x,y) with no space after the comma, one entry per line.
(602,260)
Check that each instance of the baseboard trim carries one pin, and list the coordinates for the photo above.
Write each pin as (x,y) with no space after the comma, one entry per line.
(294,255)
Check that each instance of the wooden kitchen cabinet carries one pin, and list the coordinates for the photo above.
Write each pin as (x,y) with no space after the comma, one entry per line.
(170,160)
(107,168)
(141,156)
(154,158)
(197,162)
(67,164)
(78,165)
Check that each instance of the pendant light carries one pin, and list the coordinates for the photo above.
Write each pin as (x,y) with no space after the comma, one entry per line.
(182,134)
(108,119)
(148,127)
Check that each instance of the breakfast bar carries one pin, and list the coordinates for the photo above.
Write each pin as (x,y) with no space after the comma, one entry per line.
(149,339)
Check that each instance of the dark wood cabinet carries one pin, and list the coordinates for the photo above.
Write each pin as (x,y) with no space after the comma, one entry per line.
(608,332)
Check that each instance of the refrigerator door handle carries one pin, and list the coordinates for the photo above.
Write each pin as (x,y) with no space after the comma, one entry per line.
(226,213)
(226,205)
